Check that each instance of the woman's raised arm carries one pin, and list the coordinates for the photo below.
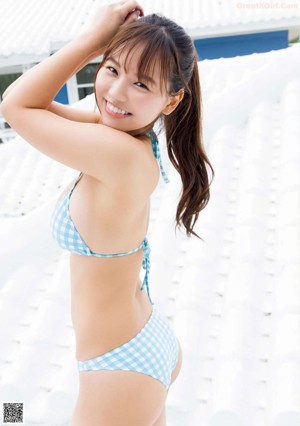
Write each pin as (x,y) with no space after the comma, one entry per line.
(91,148)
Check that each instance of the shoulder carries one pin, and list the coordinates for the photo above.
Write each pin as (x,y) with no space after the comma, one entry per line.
(128,165)
(136,162)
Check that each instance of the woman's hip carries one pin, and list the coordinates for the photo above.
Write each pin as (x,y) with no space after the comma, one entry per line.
(153,351)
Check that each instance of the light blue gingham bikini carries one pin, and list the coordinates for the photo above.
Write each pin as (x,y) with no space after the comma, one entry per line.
(154,350)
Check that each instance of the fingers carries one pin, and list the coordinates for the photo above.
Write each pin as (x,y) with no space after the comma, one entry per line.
(132,6)
(132,16)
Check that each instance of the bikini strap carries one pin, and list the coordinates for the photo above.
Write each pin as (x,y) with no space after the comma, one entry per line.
(75,182)
(156,150)
(146,266)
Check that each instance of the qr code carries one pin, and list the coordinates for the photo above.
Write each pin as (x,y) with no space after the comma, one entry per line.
(13,412)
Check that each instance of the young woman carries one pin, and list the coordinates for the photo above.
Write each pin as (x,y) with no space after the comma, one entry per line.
(127,352)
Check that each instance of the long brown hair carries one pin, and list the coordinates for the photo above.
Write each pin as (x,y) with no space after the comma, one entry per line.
(168,44)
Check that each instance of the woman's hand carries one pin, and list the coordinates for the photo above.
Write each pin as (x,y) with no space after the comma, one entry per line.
(110,17)
(37,88)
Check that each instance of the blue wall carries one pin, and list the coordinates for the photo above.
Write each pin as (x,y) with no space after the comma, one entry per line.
(238,45)
(62,95)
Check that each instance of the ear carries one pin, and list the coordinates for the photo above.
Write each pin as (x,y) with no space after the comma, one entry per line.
(173,102)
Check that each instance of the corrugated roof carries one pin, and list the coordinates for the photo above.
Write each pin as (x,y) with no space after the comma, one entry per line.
(233,299)
(31,29)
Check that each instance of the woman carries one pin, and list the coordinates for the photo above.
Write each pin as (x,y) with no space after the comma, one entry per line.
(127,353)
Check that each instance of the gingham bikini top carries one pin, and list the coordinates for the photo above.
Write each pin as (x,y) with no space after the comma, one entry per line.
(67,236)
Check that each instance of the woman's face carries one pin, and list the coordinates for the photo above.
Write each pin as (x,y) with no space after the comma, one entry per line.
(125,102)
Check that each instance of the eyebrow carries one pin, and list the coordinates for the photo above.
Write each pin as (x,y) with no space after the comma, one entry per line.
(142,76)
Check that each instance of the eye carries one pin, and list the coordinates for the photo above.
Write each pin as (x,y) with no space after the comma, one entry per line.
(142,85)
(112,70)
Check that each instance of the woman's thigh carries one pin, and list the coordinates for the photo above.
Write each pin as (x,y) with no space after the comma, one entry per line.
(118,398)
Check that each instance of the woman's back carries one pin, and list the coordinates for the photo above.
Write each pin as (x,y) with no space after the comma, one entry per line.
(105,229)
(111,219)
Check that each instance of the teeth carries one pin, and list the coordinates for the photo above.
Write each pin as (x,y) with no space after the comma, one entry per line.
(115,109)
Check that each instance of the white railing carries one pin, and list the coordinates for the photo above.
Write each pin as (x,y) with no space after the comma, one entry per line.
(6,133)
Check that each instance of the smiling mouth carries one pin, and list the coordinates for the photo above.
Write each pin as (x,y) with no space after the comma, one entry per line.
(115,110)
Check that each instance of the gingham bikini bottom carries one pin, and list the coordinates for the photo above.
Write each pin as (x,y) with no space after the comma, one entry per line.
(153,351)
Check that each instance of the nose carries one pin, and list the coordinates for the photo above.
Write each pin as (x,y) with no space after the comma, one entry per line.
(118,90)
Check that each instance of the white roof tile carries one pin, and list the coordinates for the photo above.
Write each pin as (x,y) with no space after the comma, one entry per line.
(23,169)
(34,28)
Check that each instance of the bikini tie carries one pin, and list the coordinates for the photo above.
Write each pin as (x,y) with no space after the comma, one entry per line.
(146,266)
(156,150)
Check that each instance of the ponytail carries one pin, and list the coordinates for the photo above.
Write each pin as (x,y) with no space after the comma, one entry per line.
(186,152)
(166,43)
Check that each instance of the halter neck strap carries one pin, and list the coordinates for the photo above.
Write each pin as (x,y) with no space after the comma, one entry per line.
(151,134)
